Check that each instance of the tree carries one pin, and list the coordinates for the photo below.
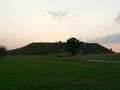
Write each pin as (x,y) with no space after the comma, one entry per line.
(2,51)
(73,46)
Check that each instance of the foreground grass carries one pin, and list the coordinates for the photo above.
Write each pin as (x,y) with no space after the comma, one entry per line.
(53,73)
(105,57)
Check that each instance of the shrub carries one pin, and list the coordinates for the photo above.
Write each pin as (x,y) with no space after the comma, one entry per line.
(2,51)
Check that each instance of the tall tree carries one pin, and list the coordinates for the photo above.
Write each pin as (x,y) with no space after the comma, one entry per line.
(2,51)
(73,46)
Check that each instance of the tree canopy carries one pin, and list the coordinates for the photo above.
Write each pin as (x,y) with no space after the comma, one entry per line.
(73,46)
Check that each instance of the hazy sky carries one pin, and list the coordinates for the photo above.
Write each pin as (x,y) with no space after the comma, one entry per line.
(26,21)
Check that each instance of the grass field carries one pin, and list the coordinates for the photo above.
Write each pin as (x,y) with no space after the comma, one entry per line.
(59,73)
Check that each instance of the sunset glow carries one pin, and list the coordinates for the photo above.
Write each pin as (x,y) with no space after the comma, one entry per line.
(26,21)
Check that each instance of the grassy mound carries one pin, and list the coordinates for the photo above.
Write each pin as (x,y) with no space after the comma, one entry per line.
(53,48)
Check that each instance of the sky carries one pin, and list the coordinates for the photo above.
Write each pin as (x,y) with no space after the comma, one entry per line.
(26,21)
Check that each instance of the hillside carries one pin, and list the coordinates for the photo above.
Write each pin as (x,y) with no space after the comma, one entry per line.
(94,48)
(40,48)
(53,48)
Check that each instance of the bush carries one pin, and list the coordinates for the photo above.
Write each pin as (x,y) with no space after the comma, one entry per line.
(2,51)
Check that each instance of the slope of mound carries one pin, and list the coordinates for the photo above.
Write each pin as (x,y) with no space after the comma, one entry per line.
(94,48)
(40,49)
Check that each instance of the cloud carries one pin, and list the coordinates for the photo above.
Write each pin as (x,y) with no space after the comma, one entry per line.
(117,19)
(110,39)
(61,14)
(58,14)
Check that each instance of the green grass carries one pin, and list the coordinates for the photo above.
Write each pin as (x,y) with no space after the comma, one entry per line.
(105,57)
(54,73)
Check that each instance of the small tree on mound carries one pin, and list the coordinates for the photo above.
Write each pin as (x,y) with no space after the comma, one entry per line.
(73,46)
(2,51)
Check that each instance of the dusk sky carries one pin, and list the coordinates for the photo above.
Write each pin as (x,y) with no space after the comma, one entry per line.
(26,21)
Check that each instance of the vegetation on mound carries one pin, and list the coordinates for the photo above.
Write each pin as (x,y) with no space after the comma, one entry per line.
(54,48)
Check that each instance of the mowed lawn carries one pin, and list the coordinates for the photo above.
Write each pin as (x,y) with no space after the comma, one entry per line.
(58,73)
